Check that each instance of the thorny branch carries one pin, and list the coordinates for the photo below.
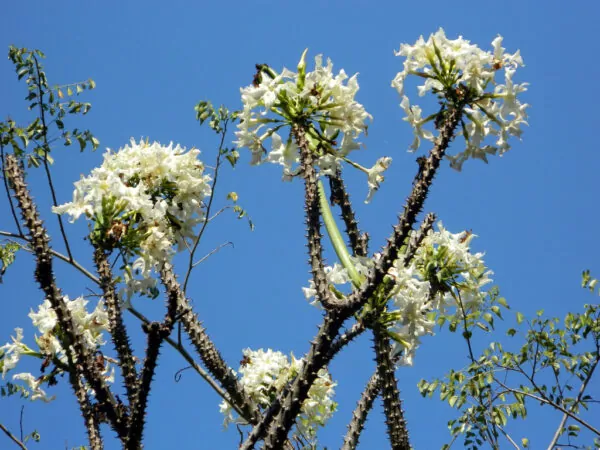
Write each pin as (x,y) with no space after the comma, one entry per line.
(279,418)
(79,358)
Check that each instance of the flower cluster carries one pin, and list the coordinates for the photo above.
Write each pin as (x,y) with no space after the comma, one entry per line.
(90,326)
(265,373)
(460,73)
(443,274)
(321,102)
(143,199)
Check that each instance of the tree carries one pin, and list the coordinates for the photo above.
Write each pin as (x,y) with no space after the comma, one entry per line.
(147,201)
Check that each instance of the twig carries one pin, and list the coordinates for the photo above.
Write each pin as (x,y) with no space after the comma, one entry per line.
(212,252)
(546,401)
(508,438)
(12,437)
(563,421)
(412,208)
(193,364)
(46,148)
(208,208)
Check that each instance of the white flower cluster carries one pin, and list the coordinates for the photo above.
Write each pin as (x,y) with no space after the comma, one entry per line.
(319,100)
(457,70)
(444,260)
(265,373)
(90,326)
(145,196)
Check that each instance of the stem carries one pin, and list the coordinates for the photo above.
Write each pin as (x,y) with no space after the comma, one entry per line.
(346,337)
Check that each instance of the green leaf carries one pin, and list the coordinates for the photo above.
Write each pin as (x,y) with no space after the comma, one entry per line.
(520,318)
(82,142)
(502,301)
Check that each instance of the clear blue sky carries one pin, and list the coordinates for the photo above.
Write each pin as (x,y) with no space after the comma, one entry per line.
(535,209)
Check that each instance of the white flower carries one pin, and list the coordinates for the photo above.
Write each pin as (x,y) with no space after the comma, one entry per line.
(263,374)
(90,326)
(154,192)
(323,100)
(413,117)
(456,69)
(11,353)
(33,384)
(410,300)
(375,175)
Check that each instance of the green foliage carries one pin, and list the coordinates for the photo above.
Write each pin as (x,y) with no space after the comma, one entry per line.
(9,389)
(499,385)
(241,212)
(467,317)
(587,282)
(7,256)
(52,109)
(218,120)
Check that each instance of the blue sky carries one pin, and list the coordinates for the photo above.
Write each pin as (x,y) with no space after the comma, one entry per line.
(534,210)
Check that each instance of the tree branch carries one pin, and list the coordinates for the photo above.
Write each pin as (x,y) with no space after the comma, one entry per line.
(81,361)
(392,405)
(359,242)
(207,350)
(13,437)
(313,221)
(360,413)
(118,332)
